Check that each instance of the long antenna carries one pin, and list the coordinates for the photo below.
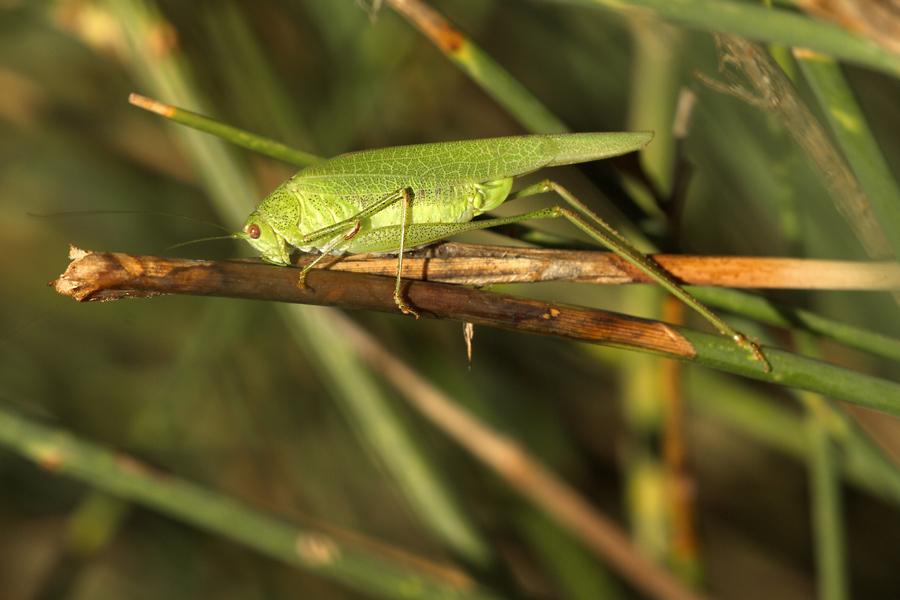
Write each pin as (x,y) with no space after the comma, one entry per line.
(231,235)
(92,213)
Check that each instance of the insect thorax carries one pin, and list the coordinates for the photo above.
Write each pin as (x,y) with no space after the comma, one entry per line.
(296,214)
(281,210)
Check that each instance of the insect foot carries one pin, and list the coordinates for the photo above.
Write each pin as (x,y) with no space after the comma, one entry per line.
(752,344)
(301,280)
(404,308)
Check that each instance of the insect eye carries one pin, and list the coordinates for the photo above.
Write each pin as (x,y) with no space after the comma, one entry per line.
(253,232)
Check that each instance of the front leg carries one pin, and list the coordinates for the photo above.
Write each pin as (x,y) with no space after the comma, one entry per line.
(346,230)
(349,235)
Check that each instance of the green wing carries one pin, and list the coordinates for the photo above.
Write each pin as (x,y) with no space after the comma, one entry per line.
(428,166)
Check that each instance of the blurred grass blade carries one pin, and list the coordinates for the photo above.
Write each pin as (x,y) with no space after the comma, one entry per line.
(63,452)
(505,89)
(376,421)
(770,89)
(757,22)
(776,425)
(826,507)
(659,513)
(856,140)
(576,571)
(153,49)
(877,21)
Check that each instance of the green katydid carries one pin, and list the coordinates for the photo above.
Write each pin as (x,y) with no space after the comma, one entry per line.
(393,199)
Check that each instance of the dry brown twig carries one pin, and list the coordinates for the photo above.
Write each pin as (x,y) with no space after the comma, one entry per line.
(478,265)
(112,276)
(104,276)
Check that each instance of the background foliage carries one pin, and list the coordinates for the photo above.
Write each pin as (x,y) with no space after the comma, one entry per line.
(228,394)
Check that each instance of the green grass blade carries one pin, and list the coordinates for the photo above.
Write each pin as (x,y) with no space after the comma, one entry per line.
(761,23)
(236,136)
(798,371)
(767,311)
